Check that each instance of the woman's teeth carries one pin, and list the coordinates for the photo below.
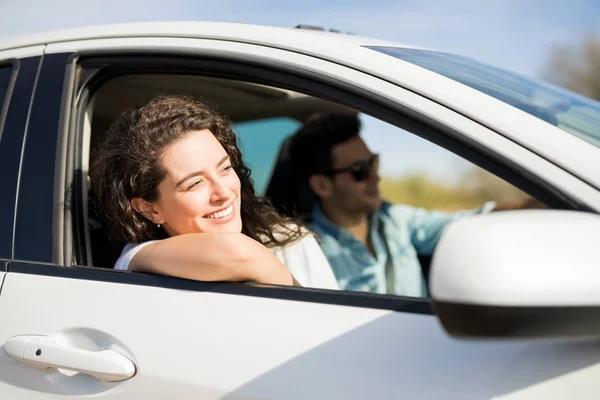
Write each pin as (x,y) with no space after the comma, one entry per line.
(220,214)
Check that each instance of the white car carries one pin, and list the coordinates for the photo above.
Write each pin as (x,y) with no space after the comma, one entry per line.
(515,296)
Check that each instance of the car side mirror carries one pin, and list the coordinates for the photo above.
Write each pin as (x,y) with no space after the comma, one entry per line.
(519,274)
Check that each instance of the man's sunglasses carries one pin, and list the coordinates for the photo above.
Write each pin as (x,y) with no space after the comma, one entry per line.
(360,170)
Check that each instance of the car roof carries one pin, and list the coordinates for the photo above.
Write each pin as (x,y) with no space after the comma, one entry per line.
(257,34)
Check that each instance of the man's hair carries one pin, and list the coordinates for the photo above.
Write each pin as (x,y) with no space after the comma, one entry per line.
(312,144)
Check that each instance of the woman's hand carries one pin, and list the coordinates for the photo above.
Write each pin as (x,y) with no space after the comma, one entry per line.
(232,257)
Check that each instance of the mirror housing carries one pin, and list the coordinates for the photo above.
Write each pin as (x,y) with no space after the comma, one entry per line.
(519,274)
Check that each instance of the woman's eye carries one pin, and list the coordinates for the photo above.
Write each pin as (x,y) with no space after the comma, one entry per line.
(227,168)
(193,185)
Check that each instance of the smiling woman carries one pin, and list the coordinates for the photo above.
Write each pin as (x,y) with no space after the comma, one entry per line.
(171,183)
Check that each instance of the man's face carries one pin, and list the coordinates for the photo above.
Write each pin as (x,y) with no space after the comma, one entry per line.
(349,194)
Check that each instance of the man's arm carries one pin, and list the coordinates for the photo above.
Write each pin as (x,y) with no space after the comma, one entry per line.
(212,257)
(425,227)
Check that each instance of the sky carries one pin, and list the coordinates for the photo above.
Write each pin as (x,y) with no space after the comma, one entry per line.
(517,35)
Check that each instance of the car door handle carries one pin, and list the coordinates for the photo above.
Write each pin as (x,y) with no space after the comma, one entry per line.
(43,352)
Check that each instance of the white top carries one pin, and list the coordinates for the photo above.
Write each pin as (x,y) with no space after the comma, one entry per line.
(303,258)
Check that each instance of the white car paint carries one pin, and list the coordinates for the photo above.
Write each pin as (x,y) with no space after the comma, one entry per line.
(211,346)
(22,52)
(194,344)
(486,261)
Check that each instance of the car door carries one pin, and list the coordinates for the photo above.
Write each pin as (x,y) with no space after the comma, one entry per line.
(83,331)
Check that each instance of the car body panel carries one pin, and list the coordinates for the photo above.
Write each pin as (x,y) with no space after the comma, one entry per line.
(237,347)
(244,33)
(22,52)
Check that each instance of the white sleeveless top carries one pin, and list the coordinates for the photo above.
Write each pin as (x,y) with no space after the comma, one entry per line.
(303,258)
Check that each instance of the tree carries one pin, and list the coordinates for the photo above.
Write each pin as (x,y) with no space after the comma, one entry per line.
(577,67)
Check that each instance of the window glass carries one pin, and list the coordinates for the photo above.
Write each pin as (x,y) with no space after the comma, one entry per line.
(260,142)
(571,112)
(419,173)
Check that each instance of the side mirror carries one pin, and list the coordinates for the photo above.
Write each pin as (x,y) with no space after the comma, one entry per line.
(519,274)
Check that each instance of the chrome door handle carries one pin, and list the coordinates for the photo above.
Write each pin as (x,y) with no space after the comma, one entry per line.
(43,352)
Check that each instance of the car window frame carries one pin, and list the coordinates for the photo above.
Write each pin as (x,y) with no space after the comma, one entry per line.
(5,214)
(94,71)
(12,68)
(41,168)
(13,127)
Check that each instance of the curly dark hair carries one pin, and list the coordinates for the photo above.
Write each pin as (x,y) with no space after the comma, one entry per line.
(128,165)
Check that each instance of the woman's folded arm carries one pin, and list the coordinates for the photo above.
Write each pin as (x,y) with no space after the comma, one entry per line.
(212,257)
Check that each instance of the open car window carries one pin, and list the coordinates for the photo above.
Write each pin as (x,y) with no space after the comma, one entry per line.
(413,171)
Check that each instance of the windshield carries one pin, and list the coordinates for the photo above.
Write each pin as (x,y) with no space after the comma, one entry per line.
(571,112)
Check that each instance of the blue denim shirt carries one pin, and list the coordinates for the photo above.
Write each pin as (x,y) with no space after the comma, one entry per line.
(408,231)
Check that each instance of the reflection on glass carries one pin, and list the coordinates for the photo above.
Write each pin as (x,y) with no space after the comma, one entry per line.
(571,112)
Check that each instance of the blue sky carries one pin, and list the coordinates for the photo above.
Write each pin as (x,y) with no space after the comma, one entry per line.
(514,34)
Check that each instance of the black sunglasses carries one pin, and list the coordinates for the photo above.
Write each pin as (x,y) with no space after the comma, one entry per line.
(360,170)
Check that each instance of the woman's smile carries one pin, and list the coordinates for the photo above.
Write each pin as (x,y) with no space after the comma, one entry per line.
(222,216)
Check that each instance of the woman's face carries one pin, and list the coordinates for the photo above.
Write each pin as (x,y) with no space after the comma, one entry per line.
(201,191)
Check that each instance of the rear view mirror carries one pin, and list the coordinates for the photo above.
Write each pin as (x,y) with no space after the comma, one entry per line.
(519,274)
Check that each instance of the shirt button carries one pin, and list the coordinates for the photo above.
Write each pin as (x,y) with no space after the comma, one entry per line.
(366,288)
(404,260)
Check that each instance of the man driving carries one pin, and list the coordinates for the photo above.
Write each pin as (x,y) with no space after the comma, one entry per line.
(371,244)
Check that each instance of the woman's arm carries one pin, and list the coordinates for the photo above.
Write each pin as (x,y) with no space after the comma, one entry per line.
(212,257)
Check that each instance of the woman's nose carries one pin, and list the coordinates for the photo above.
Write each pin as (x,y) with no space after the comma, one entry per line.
(220,191)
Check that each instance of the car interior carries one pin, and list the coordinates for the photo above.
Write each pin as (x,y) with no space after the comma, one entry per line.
(238,100)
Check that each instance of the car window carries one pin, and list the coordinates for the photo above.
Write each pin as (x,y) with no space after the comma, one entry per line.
(427,175)
(5,74)
(424,187)
(417,189)
(260,141)
(571,112)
